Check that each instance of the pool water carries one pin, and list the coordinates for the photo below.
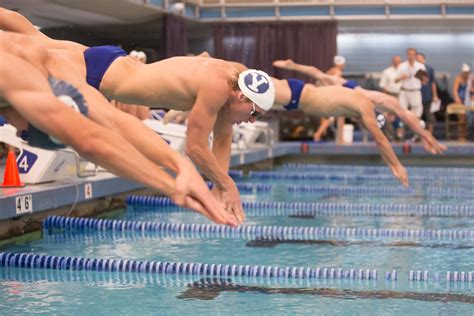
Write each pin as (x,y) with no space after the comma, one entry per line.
(73,292)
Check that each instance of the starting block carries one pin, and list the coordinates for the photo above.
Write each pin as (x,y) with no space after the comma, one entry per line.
(247,134)
(174,134)
(244,135)
(37,165)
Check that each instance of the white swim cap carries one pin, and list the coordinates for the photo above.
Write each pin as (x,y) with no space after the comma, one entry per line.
(380,120)
(465,68)
(339,60)
(133,53)
(258,87)
(141,56)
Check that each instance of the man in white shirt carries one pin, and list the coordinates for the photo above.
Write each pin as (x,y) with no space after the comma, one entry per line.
(410,95)
(389,76)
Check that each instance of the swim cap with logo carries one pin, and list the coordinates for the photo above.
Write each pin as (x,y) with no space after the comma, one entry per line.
(258,87)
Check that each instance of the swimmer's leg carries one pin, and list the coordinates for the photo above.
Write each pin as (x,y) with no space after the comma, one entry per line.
(12,21)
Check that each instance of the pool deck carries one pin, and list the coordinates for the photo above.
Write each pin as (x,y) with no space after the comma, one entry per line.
(16,202)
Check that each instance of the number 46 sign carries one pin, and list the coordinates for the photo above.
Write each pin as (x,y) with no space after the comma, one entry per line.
(24,204)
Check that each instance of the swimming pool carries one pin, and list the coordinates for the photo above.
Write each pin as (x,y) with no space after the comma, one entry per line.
(350,243)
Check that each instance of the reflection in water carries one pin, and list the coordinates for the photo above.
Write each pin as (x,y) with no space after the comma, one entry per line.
(110,280)
(272,243)
(209,289)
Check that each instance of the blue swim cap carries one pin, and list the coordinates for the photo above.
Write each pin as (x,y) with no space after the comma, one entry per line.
(70,96)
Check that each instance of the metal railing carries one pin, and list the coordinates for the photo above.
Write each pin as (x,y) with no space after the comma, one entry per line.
(271,10)
(325,2)
(274,10)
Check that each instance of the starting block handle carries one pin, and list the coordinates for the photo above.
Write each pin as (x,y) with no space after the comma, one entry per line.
(79,171)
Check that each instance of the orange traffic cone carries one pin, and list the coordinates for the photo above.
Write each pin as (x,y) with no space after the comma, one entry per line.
(11,177)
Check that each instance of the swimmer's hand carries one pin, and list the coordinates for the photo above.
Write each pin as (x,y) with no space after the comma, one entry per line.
(431,144)
(231,200)
(400,173)
(192,192)
(174,116)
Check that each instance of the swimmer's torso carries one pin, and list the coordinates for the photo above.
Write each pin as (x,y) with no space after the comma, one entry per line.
(320,101)
(328,101)
(171,83)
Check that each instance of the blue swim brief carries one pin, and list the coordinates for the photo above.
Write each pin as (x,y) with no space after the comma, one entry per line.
(296,86)
(98,59)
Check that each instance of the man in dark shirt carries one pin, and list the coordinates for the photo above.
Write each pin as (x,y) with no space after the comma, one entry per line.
(429,93)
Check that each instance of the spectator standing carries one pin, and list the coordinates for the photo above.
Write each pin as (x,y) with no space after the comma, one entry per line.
(410,94)
(429,92)
(388,82)
(463,88)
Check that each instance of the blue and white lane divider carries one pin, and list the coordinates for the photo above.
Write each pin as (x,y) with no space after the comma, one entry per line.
(353,190)
(104,277)
(272,208)
(249,187)
(450,192)
(387,191)
(236,173)
(255,231)
(381,191)
(24,260)
(354,177)
(437,171)
(357,190)
(32,261)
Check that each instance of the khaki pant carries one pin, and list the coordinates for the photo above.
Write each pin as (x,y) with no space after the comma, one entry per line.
(411,100)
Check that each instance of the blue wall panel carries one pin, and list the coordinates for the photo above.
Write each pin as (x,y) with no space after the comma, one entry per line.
(304,11)
(348,10)
(210,13)
(460,10)
(415,10)
(250,12)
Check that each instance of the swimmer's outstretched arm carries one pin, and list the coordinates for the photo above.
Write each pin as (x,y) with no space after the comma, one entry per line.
(32,98)
(202,120)
(387,103)
(386,151)
(34,101)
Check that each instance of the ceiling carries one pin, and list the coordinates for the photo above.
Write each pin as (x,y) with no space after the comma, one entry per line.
(53,13)
(131,23)
(92,21)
